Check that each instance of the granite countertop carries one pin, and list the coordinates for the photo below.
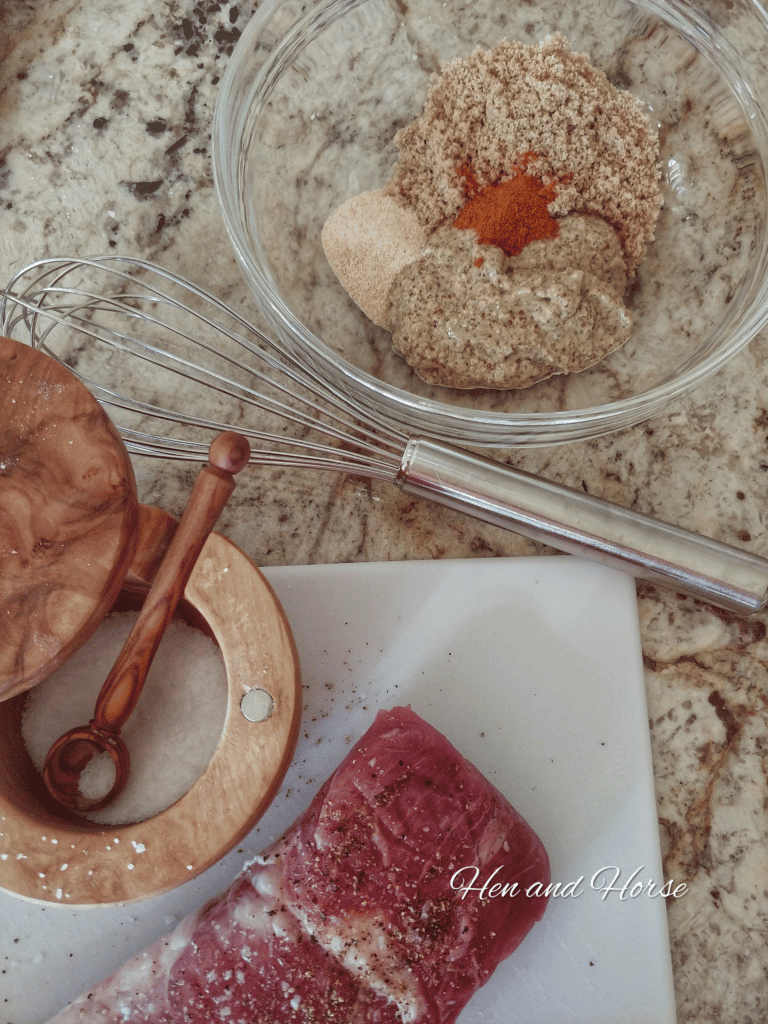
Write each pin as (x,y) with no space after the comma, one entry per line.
(105,113)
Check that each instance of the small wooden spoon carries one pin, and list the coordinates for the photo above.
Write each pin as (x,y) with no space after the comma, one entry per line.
(122,688)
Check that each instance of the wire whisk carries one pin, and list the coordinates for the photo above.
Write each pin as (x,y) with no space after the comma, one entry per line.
(173,365)
(146,331)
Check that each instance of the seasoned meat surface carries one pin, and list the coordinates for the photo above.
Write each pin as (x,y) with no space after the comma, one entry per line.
(368,909)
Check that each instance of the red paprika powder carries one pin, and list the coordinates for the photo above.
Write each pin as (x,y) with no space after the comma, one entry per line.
(510,213)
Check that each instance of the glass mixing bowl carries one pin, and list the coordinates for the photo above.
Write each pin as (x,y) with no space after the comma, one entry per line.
(305,118)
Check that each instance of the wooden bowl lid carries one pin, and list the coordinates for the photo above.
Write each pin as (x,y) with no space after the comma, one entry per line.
(68,515)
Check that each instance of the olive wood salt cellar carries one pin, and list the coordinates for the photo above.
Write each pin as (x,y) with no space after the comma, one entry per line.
(76,544)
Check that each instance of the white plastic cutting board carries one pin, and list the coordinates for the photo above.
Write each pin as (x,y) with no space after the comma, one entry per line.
(532,668)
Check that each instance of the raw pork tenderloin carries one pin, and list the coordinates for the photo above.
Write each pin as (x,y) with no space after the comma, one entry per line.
(351,917)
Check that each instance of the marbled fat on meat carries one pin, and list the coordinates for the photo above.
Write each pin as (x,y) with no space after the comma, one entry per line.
(351,916)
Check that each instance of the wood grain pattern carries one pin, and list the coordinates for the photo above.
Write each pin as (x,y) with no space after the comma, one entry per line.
(228,597)
(68,515)
(123,686)
(213,487)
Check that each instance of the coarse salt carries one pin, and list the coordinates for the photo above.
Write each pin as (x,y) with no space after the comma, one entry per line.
(172,733)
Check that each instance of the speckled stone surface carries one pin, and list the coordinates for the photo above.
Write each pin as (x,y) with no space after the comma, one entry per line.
(105,111)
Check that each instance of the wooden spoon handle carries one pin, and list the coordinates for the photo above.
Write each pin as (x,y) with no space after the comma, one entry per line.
(228,454)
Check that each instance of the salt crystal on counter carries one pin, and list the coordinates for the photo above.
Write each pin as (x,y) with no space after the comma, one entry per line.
(172,733)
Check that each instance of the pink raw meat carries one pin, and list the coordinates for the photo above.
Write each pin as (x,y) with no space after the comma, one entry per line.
(357,913)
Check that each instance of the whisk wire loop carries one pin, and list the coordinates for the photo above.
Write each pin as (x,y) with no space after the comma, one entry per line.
(218,382)
(210,351)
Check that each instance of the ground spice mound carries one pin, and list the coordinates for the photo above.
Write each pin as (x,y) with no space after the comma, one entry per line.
(492,108)
(493,212)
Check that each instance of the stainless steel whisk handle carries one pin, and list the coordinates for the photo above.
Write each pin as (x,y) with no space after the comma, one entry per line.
(580,524)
